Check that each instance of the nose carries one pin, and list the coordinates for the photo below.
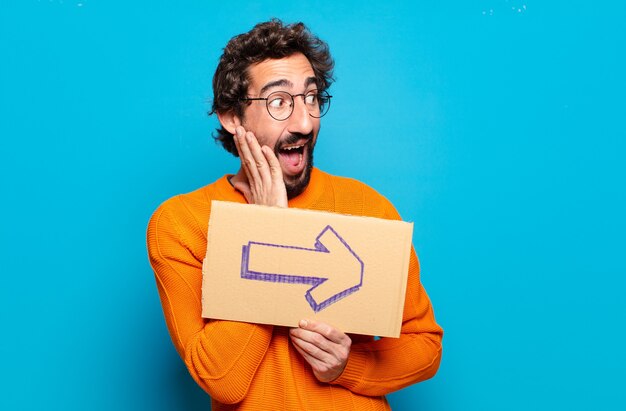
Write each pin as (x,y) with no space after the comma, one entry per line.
(300,121)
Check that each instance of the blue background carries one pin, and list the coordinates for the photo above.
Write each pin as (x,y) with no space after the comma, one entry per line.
(497,126)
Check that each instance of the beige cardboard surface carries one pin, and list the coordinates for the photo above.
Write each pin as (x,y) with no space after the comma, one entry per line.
(277,266)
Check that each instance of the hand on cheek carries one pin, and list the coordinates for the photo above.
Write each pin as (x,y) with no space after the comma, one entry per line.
(324,347)
(265,183)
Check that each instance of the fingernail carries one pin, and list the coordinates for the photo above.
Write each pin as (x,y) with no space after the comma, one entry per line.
(303,323)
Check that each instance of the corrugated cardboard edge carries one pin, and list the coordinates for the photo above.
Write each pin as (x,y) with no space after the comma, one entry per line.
(406,261)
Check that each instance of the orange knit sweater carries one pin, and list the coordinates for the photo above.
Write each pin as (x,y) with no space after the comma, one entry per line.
(255,367)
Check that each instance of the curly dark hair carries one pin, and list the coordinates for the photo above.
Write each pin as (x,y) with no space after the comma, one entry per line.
(268,40)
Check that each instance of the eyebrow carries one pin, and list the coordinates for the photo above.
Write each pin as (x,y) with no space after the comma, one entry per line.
(276,83)
(309,81)
(286,83)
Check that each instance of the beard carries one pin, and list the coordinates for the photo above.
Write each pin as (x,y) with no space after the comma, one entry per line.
(296,184)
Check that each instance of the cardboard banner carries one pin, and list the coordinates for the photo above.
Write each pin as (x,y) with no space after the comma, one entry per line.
(273,265)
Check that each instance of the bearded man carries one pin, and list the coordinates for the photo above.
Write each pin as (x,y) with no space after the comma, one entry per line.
(270,91)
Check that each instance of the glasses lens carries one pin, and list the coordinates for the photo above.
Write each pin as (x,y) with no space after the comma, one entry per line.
(322,104)
(280,105)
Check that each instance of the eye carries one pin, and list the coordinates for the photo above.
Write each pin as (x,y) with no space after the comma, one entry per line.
(276,102)
(279,101)
(311,99)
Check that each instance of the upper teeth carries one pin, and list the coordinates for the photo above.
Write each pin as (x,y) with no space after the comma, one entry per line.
(293,147)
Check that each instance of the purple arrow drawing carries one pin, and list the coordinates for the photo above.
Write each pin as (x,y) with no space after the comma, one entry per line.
(334,270)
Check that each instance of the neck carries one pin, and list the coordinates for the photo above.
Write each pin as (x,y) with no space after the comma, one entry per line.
(240,177)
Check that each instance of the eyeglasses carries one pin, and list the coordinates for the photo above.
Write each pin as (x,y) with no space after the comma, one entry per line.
(280,103)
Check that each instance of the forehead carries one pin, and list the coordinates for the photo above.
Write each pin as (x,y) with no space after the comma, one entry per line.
(293,72)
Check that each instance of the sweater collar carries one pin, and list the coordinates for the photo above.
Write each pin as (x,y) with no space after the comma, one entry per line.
(312,192)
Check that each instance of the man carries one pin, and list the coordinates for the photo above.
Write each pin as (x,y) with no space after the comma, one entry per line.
(269,95)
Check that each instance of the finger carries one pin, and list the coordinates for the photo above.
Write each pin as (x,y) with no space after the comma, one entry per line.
(236,137)
(236,141)
(313,362)
(259,159)
(303,353)
(311,350)
(243,186)
(239,131)
(275,170)
(326,330)
(247,159)
(278,184)
(314,339)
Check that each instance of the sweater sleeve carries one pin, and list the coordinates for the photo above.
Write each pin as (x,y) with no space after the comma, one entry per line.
(389,364)
(221,356)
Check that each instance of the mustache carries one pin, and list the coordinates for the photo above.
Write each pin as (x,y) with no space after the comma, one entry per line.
(291,139)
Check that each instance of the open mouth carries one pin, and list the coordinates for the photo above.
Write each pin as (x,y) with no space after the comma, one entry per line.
(291,158)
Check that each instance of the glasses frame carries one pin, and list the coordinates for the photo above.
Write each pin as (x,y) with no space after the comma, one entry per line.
(320,94)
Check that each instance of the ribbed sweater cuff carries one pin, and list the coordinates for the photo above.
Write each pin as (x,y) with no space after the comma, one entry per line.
(354,371)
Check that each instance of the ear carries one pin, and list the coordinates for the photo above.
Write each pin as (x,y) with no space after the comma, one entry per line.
(229,120)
